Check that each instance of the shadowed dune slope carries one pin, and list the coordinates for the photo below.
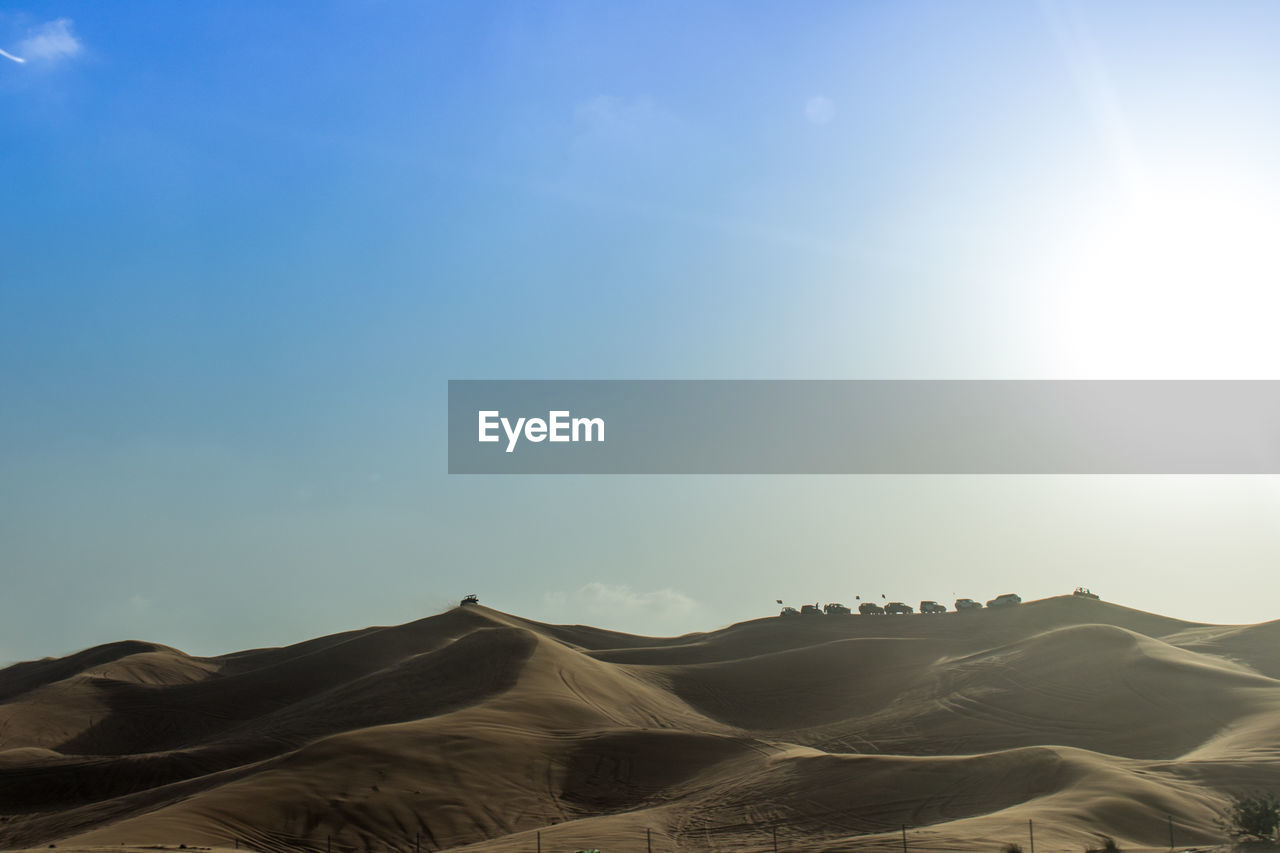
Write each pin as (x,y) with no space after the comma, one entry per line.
(476,727)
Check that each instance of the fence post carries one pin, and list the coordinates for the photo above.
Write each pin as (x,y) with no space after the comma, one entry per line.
(648,839)
(1031,828)
(904,839)
(539,841)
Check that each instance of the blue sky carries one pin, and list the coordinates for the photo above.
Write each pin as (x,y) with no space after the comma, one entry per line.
(243,247)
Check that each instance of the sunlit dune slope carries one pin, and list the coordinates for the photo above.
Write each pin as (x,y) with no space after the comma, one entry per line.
(476,727)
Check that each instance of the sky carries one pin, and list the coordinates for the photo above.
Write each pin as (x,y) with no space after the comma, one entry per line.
(243,247)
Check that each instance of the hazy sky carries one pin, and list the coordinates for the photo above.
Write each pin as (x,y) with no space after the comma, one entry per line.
(244,245)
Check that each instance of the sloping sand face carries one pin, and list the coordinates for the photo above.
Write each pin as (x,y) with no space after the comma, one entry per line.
(479,728)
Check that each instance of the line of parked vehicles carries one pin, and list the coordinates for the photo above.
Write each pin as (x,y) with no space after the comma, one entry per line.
(871,608)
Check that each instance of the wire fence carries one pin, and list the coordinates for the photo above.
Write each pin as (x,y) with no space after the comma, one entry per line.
(777,837)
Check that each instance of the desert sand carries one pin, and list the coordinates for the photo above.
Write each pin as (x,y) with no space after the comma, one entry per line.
(481,729)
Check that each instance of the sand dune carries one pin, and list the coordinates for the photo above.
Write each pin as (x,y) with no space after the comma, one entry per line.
(479,728)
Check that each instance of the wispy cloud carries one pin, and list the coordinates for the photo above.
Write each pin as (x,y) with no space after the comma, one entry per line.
(819,109)
(610,114)
(600,599)
(51,42)
(610,122)
(1086,64)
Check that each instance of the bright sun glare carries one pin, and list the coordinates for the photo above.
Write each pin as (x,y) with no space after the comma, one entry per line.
(1179,281)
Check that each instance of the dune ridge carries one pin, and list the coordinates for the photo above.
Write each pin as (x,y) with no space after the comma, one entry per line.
(479,728)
